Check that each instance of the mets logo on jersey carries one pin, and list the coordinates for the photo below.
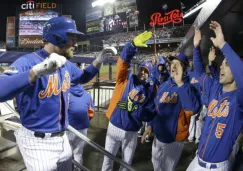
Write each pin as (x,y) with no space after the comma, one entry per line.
(220,111)
(53,84)
(136,96)
(168,99)
(194,80)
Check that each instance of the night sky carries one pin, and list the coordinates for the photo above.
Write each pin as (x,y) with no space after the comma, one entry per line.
(76,8)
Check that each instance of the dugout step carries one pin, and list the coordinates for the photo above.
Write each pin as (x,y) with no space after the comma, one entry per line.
(6,144)
(12,165)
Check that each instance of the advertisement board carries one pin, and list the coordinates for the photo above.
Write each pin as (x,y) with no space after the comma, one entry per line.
(30,41)
(94,26)
(31,25)
(10,32)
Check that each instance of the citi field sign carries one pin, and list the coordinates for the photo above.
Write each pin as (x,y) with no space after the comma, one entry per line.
(174,16)
(30,5)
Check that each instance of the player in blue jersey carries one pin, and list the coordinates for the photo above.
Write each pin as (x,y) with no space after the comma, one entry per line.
(130,99)
(175,102)
(223,122)
(40,81)
(80,112)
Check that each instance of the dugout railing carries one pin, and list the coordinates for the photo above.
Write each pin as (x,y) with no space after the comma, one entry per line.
(13,126)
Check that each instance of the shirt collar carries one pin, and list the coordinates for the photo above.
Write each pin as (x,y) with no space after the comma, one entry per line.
(43,53)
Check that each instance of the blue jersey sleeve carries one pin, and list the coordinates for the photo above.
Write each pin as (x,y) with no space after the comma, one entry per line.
(205,81)
(82,76)
(189,98)
(236,66)
(15,79)
(148,110)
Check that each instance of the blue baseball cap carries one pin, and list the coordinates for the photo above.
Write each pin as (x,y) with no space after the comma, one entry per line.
(181,57)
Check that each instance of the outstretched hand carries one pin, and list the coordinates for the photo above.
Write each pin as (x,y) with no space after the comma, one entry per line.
(211,55)
(141,39)
(218,41)
(105,53)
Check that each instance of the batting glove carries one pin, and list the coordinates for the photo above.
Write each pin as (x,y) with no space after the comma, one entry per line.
(106,53)
(49,65)
(127,105)
(141,39)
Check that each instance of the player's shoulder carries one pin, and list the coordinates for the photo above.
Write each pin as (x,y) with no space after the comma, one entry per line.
(26,58)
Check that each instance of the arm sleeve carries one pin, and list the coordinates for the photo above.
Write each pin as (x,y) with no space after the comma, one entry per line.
(123,63)
(205,81)
(83,76)
(197,62)
(15,79)
(235,63)
(236,66)
(189,98)
(148,111)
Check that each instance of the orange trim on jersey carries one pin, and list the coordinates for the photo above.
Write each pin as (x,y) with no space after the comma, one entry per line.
(208,138)
(122,70)
(90,111)
(121,82)
(211,129)
(203,83)
(183,125)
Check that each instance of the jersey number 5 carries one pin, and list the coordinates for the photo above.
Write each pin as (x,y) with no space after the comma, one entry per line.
(220,130)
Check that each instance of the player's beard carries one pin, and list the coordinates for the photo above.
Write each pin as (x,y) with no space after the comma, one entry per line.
(68,53)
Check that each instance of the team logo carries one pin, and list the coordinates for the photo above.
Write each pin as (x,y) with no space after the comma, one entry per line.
(220,111)
(168,99)
(53,84)
(136,96)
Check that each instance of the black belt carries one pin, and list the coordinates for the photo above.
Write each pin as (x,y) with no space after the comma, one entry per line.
(54,134)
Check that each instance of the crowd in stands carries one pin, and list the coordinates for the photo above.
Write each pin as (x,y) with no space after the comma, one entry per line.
(167,32)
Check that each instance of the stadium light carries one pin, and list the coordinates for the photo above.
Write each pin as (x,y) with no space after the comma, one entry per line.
(192,11)
(101,2)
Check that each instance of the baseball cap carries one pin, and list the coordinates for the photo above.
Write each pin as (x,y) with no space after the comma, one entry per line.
(181,57)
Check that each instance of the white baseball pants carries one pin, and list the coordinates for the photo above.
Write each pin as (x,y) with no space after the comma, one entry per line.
(194,166)
(77,145)
(44,154)
(165,156)
(115,138)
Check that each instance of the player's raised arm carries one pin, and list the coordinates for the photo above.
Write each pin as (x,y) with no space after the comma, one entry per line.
(84,76)
(234,61)
(16,79)
(128,52)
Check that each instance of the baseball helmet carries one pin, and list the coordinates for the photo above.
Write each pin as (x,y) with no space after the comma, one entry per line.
(55,30)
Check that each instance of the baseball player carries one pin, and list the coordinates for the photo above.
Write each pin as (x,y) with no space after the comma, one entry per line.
(223,122)
(160,75)
(40,81)
(80,111)
(176,101)
(128,105)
